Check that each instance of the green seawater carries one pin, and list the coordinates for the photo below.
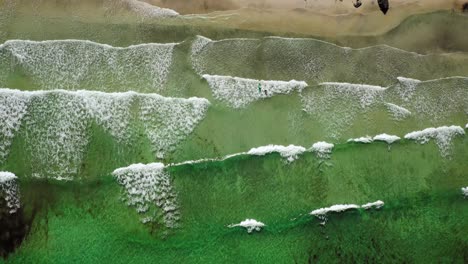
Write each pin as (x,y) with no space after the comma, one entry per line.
(422,220)
(64,153)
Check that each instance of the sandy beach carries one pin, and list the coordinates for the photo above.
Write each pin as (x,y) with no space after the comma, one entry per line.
(330,7)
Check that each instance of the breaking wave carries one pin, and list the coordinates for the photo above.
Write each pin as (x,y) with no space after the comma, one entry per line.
(75,64)
(239,92)
(56,124)
(314,61)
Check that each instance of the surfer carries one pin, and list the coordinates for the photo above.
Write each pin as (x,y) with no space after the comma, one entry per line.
(259,87)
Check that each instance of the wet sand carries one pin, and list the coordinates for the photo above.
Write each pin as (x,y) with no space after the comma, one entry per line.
(330,7)
(329,19)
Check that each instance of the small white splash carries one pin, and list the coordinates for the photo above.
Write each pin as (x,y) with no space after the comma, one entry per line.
(407,87)
(290,152)
(377,205)
(334,208)
(398,112)
(9,190)
(7,176)
(465,191)
(443,137)
(387,138)
(198,45)
(240,92)
(466,126)
(147,187)
(365,140)
(322,149)
(249,224)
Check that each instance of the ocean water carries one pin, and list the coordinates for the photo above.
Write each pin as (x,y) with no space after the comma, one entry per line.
(144,140)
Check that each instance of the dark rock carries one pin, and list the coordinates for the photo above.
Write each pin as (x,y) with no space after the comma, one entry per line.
(384,6)
(13,229)
(357,4)
(465,7)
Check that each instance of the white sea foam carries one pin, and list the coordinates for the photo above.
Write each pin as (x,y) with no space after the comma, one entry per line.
(249,224)
(148,188)
(74,64)
(112,111)
(9,190)
(239,92)
(377,205)
(198,45)
(367,94)
(465,191)
(443,137)
(56,133)
(436,101)
(290,152)
(174,119)
(322,149)
(7,176)
(387,138)
(365,140)
(334,208)
(406,87)
(337,105)
(57,123)
(206,160)
(397,111)
(13,107)
(221,56)
(322,213)
(147,10)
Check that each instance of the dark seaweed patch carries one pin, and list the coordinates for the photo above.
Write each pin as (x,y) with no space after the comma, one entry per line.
(13,229)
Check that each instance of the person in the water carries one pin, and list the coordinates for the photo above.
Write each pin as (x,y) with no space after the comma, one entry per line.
(266,92)
(259,87)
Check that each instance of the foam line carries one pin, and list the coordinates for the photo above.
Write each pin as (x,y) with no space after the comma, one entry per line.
(240,92)
(443,137)
(74,64)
